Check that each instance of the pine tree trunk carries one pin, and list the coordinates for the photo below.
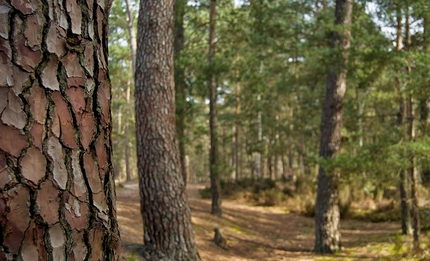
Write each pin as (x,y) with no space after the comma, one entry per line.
(327,236)
(180,83)
(166,215)
(214,161)
(126,138)
(404,177)
(57,193)
(411,138)
(301,152)
(132,43)
(237,128)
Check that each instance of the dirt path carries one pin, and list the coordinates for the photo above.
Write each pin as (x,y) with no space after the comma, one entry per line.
(255,233)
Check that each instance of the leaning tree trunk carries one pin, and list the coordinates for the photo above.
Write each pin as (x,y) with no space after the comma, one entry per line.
(327,234)
(166,214)
(213,158)
(57,194)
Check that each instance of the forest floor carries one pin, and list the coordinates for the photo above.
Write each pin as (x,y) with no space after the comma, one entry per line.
(260,233)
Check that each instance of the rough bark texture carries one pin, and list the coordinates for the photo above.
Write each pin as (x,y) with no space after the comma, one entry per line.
(327,233)
(214,164)
(166,214)
(181,94)
(57,196)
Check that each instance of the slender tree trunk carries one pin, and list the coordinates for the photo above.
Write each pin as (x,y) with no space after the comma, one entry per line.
(181,86)
(131,34)
(57,193)
(126,137)
(132,43)
(257,154)
(237,127)
(411,137)
(214,161)
(291,158)
(327,234)
(404,184)
(166,215)
(414,179)
(301,152)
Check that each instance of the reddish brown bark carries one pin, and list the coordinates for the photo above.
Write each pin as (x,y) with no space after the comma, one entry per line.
(166,214)
(56,111)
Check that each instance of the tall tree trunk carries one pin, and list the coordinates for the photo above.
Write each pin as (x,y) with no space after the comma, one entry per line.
(301,153)
(403,186)
(237,127)
(181,92)
(411,137)
(164,205)
(214,161)
(132,43)
(57,193)
(257,154)
(327,234)
(132,34)
(126,137)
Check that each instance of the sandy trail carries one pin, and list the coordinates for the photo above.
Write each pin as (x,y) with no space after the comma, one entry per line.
(253,232)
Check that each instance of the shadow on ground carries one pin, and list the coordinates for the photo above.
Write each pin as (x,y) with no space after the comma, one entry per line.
(253,232)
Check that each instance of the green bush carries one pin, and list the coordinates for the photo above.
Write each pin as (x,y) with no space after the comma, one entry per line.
(271,197)
(205,193)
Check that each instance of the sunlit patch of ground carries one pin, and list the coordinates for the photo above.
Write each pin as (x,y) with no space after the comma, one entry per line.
(261,233)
